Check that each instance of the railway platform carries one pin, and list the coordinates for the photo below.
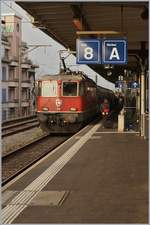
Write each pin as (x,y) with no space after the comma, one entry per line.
(96,176)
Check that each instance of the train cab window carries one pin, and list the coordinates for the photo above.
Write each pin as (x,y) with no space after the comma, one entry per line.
(69,88)
(49,88)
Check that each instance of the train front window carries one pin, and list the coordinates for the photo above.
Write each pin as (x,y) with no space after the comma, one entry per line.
(69,88)
(49,88)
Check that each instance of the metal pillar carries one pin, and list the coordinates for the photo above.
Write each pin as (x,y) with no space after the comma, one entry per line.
(142,93)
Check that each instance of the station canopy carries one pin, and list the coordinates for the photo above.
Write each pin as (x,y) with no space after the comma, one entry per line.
(62,20)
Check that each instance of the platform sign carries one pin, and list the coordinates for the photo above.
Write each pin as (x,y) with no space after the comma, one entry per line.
(133,84)
(119,84)
(114,51)
(88,51)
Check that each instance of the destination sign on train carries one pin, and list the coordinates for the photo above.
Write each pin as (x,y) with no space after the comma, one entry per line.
(101,51)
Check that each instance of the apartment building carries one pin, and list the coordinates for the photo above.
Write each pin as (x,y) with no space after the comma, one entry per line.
(18,71)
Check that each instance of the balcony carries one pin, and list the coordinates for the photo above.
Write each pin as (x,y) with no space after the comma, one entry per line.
(6,59)
(26,63)
(26,80)
(25,103)
(5,54)
(4,37)
(26,84)
(13,79)
(13,100)
(14,61)
(34,66)
(11,103)
(13,83)
(24,45)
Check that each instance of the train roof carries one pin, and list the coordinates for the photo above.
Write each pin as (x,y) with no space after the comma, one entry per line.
(105,89)
(67,76)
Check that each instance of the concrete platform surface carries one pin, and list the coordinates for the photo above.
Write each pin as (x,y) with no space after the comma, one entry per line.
(105,181)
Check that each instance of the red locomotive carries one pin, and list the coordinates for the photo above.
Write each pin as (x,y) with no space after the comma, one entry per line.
(66,101)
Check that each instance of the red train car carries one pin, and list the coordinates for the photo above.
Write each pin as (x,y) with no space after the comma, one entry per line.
(66,101)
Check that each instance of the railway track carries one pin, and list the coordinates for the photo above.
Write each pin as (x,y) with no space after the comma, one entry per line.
(16,162)
(18,126)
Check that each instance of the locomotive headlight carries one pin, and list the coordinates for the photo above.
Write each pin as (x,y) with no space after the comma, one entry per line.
(45,108)
(73,109)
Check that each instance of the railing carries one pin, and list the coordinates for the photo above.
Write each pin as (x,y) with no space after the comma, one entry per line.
(4,37)
(5,59)
(24,44)
(13,80)
(14,58)
(10,101)
(13,100)
(26,61)
(26,81)
(26,100)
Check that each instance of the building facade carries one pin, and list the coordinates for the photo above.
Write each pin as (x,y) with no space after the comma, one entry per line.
(18,71)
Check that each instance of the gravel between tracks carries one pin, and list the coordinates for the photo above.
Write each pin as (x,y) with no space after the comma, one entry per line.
(15,141)
(16,163)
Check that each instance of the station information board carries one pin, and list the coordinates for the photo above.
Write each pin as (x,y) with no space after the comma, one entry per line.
(101,51)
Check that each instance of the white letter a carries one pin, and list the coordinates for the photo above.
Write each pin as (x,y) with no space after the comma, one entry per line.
(114,54)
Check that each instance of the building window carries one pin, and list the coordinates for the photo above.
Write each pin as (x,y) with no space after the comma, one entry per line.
(3,73)
(17,27)
(12,74)
(11,93)
(12,113)
(25,111)
(6,54)
(3,95)
(3,115)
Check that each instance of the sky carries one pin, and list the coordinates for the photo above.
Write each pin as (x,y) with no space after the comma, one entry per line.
(47,57)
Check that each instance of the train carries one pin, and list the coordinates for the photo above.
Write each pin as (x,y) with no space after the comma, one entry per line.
(67,101)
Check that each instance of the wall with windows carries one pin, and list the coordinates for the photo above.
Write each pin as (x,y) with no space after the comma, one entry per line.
(12,94)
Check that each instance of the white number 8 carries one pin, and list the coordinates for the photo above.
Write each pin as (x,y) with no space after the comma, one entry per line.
(88,53)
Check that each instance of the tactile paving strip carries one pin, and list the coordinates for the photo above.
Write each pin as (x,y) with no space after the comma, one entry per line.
(43,198)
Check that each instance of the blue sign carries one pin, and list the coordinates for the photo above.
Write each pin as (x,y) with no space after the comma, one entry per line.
(114,51)
(119,84)
(88,51)
(133,84)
